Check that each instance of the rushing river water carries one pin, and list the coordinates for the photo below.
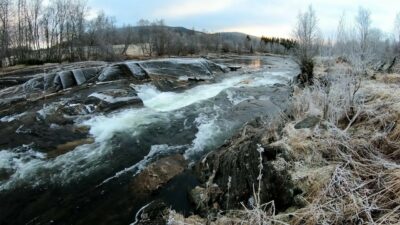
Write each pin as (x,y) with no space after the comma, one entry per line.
(94,178)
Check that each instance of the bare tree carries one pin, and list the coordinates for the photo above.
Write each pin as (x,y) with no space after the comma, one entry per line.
(102,32)
(127,38)
(144,37)
(159,39)
(397,31)
(343,39)
(363,25)
(306,34)
(4,29)
(75,28)
(34,12)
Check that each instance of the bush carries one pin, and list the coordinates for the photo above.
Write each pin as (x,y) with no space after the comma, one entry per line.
(307,72)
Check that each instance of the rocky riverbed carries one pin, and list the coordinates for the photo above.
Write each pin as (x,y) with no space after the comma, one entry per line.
(92,143)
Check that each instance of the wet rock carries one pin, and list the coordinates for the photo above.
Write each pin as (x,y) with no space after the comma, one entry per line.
(308,122)
(46,128)
(123,70)
(67,79)
(158,173)
(236,165)
(110,73)
(35,84)
(44,135)
(113,98)
(5,174)
(234,68)
(181,67)
(134,69)
(57,82)
(8,81)
(85,75)
(90,73)
(171,69)
(167,84)
(79,76)
(69,146)
(76,109)
(53,114)
(4,82)
(48,80)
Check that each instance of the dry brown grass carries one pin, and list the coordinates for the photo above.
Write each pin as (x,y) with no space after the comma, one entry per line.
(364,187)
(350,172)
(390,78)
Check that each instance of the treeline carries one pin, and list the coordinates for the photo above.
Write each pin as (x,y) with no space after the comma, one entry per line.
(277,45)
(32,32)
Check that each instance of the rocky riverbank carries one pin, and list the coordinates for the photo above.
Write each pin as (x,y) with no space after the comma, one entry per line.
(224,147)
(322,163)
(93,143)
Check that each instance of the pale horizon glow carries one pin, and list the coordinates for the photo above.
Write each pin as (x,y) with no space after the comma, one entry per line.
(254,17)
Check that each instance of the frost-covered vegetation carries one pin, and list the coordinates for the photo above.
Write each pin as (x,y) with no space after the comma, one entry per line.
(347,161)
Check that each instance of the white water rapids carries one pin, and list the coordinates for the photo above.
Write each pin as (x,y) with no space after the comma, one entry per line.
(29,167)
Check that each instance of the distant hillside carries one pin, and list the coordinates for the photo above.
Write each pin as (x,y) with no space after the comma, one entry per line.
(236,36)
(229,36)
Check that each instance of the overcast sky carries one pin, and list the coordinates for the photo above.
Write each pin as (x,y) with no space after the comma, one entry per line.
(256,17)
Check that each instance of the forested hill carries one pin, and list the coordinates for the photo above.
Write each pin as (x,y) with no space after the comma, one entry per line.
(60,31)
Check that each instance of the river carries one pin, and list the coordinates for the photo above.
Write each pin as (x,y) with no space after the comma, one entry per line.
(91,184)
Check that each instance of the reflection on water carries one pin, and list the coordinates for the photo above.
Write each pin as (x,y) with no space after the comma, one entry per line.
(247,62)
(255,64)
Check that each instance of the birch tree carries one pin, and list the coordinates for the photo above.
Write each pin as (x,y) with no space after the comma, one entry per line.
(306,34)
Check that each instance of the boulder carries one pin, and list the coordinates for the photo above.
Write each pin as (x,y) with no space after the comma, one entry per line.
(308,122)
(234,168)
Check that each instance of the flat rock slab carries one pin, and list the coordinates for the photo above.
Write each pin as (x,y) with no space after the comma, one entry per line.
(158,173)
(234,68)
(113,99)
(181,67)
